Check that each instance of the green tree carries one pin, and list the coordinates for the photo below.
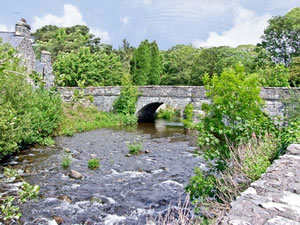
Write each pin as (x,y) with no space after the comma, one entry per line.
(156,64)
(274,76)
(56,40)
(295,72)
(82,67)
(281,37)
(234,114)
(126,53)
(177,65)
(141,64)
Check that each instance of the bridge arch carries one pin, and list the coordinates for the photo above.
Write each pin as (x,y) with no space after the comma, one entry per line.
(147,113)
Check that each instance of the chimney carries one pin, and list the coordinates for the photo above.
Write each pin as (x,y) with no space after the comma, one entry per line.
(45,57)
(23,29)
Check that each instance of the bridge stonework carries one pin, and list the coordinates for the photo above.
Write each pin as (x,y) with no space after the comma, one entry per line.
(175,96)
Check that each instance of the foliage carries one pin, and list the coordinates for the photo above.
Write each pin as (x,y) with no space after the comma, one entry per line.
(156,64)
(126,54)
(188,116)
(290,132)
(295,72)
(141,64)
(82,67)
(276,76)
(281,38)
(135,147)
(177,64)
(168,113)
(78,118)
(27,115)
(93,164)
(201,185)
(28,192)
(126,102)
(64,40)
(8,210)
(146,64)
(66,162)
(234,115)
(10,173)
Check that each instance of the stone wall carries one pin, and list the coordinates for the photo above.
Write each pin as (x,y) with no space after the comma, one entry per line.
(176,96)
(274,199)
(27,54)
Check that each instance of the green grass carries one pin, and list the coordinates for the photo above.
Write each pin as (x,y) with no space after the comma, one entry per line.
(93,164)
(135,148)
(66,162)
(79,119)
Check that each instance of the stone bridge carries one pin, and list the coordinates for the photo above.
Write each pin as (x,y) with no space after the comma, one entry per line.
(152,97)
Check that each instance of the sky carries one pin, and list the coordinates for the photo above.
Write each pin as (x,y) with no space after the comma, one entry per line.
(202,23)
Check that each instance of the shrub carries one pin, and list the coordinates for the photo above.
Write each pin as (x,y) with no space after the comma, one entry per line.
(135,148)
(169,113)
(201,185)
(66,162)
(28,192)
(126,102)
(188,116)
(10,173)
(27,115)
(93,164)
(8,210)
(277,76)
(234,115)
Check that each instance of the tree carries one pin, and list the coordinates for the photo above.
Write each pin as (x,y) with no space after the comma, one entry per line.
(126,54)
(281,37)
(177,65)
(295,72)
(67,39)
(141,64)
(156,64)
(274,76)
(85,68)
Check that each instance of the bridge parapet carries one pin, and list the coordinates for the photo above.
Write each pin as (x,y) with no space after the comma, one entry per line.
(175,96)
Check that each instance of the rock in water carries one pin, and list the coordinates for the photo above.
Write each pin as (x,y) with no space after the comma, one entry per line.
(74,174)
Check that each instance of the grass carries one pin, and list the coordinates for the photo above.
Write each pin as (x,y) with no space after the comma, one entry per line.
(134,148)
(248,162)
(66,162)
(169,113)
(93,164)
(79,119)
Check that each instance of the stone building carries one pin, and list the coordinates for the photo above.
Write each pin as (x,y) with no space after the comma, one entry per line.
(21,40)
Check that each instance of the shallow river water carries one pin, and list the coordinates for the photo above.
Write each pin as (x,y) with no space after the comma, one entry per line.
(124,190)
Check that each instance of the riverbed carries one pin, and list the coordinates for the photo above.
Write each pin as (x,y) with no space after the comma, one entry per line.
(126,189)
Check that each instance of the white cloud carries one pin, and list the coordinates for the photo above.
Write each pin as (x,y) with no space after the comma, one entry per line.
(104,35)
(247,29)
(71,17)
(125,20)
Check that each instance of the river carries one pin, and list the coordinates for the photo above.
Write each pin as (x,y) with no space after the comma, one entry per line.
(124,190)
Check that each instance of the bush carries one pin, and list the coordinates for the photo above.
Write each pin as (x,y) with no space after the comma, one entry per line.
(169,113)
(126,102)
(135,148)
(201,185)
(234,115)
(93,164)
(188,116)
(27,115)
(277,76)
(66,162)
(28,192)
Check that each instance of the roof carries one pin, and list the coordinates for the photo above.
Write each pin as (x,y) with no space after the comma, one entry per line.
(11,38)
(39,66)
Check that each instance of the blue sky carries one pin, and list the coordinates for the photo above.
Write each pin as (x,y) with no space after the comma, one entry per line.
(169,22)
